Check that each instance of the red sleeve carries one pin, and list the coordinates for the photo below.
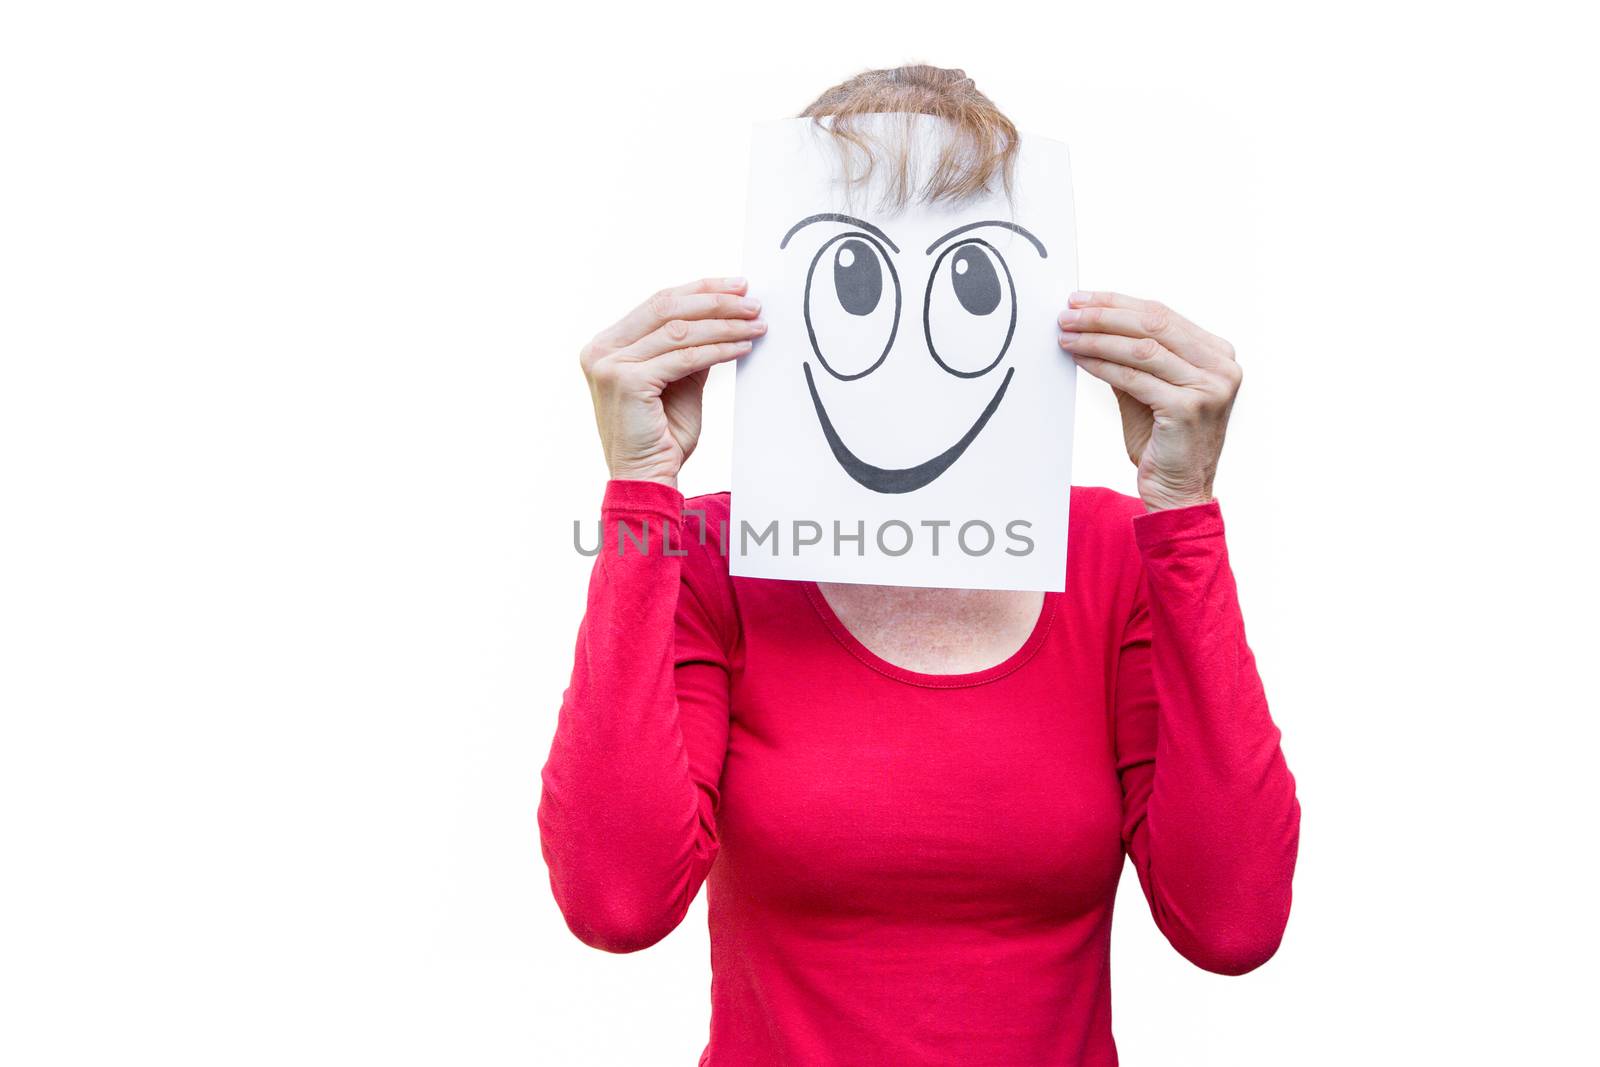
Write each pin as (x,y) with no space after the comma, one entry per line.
(1210,815)
(626,815)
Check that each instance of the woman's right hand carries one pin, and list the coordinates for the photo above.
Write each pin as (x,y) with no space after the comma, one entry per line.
(647,372)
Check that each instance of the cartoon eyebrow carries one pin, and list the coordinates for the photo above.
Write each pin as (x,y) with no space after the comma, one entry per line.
(831,216)
(990,222)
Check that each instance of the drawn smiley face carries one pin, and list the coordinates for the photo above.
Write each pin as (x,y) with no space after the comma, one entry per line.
(852,313)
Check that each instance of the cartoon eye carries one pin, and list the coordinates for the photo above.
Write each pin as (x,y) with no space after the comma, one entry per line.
(852,305)
(970,311)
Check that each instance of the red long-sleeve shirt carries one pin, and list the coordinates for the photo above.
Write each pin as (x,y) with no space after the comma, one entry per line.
(906,868)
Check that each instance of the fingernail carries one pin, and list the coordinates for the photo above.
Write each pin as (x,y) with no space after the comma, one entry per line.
(742,346)
(1068,338)
(758,326)
(1079,297)
(750,303)
(1069,317)
(733,283)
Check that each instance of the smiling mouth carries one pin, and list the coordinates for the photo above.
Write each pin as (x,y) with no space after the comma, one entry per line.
(905,479)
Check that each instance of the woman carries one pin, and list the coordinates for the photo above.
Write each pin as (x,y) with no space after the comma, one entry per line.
(911,806)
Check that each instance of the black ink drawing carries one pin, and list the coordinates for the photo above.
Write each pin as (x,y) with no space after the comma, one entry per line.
(859,273)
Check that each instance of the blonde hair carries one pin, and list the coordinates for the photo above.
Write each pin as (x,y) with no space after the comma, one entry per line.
(981,148)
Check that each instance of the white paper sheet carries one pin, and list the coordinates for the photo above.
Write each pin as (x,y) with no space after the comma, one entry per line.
(893,396)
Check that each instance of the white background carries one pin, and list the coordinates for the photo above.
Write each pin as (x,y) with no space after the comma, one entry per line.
(293,436)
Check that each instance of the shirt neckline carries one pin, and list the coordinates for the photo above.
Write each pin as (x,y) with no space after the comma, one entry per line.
(853,645)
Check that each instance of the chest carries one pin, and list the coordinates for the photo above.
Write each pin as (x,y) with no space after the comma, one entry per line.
(849,790)
(936,631)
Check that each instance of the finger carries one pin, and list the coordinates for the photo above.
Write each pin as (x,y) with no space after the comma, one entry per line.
(682,362)
(1136,317)
(1141,353)
(692,300)
(691,333)
(664,308)
(1175,333)
(1143,387)
(1151,322)
(1085,298)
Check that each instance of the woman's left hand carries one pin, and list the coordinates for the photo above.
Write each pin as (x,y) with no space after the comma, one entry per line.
(1174,383)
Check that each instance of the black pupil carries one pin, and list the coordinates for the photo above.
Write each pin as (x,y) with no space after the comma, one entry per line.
(977,285)
(857,278)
